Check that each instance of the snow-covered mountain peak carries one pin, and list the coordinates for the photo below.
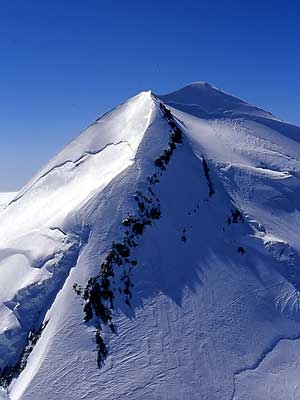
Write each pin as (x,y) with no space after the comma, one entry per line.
(90,161)
(205,100)
(158,245)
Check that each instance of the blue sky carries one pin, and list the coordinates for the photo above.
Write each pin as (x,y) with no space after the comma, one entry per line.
(63,63)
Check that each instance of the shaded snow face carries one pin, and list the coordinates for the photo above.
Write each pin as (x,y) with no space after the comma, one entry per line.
(206,101)
(214,303)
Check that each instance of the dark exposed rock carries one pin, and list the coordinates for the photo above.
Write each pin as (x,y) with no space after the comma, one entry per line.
(235,218)
(209,182)
(128,220)
(241,250)
(138,228)
(176,135)
(122,249)
(77,289)
(172,124)
(172,146)
(101,349)
(160,164)
(155,213)
(8,373)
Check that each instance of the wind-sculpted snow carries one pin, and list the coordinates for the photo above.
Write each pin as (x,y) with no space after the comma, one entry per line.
(29,295)
(70,165)
(272,376)
(184,258)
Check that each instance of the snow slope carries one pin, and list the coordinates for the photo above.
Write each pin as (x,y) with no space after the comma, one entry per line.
(5,198)
(210,308)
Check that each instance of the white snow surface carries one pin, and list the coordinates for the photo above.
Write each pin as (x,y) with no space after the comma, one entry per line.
(5,198)
(205,321)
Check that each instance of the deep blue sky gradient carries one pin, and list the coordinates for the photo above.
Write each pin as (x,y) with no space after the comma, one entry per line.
(63,63)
